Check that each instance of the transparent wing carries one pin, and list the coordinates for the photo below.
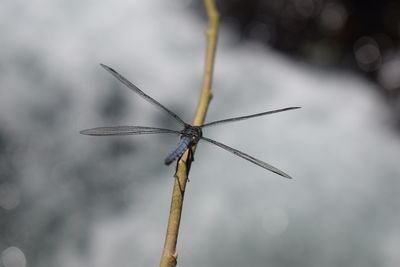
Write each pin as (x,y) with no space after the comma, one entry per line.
(142,94)
(126,130)
(247,157)
(247,117)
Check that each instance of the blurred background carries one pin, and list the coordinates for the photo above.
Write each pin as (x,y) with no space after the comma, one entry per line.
(73,200)
(360,36)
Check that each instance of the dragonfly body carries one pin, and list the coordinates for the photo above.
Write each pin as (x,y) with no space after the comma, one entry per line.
(183,144)
(190,135)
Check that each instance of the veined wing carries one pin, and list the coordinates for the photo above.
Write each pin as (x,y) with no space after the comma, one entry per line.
(247,117)
(142,94)
(247,157)
(126,130)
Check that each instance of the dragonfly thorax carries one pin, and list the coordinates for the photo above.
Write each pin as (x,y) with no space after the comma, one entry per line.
(189,138)
(192,132)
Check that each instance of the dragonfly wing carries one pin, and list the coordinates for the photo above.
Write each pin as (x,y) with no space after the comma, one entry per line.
(126,130)
(247,157)
(247,117)
(141,93)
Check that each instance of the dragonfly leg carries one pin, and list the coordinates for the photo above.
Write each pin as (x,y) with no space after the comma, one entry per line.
(190,160)
(191,154)
(176,169)
(177,178)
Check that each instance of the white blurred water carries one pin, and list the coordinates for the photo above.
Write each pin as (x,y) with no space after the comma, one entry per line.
(71,200)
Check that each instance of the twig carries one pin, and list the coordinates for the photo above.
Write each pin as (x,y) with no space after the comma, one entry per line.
(169,256)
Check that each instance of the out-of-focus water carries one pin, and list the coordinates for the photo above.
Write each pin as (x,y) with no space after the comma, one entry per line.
(72,200)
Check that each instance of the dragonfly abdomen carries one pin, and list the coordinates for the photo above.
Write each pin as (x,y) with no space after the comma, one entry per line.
(178,152)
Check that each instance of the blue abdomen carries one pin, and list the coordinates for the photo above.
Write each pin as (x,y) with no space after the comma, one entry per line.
(178,152)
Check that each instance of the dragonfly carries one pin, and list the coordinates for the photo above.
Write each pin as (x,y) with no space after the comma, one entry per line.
(189,136)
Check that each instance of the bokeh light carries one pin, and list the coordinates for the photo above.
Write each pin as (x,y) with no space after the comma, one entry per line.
(389,74)
(333,17)
(367,54)
(13,257)
(9,196)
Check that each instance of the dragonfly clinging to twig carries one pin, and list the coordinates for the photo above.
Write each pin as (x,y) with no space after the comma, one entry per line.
(190,135)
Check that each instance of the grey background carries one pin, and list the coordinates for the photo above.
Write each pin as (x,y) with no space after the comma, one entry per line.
(71,200)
